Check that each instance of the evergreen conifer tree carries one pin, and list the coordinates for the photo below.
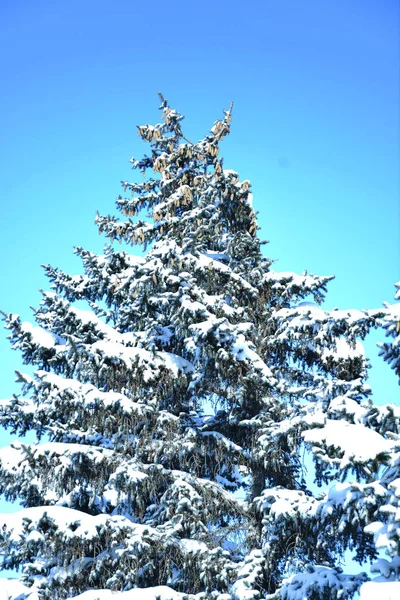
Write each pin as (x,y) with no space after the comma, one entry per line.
(177,396)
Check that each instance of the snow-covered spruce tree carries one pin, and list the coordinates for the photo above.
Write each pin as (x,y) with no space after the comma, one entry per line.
(176,410)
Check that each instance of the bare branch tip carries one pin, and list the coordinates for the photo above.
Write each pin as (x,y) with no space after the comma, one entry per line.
(164,103)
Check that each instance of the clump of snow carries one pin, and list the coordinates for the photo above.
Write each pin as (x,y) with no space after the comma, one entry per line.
(88,317)
(317,580)
(242,350)
(380,590)
(161,592)
(149,362)
(287,503)
(193,546)
(345,350)
(13,589)
(71,522)
(41,337)
(88,393)
(356,442)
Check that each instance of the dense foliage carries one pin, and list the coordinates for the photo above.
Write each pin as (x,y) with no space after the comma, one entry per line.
(185,400)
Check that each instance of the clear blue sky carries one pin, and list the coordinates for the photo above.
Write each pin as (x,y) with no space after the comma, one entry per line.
(316,130)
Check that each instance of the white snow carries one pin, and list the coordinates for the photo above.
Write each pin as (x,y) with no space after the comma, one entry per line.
(230,173)
(380,590)
(66,519)
(62,516)
(316,580)
(13,589)
(305,303)
(161,592)
(394,311)
(88,317)
(381,539)
(344,349)
(242,350)
(287,503)
(348,406)
(88,393)
(284,277)
(357,442)
(216,255)
(193,546)
(12,458)
(341,494)
(146,359)
(40,336)
(386,568)
(205,261)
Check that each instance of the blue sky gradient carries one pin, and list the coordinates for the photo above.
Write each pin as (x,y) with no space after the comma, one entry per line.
(315,128)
